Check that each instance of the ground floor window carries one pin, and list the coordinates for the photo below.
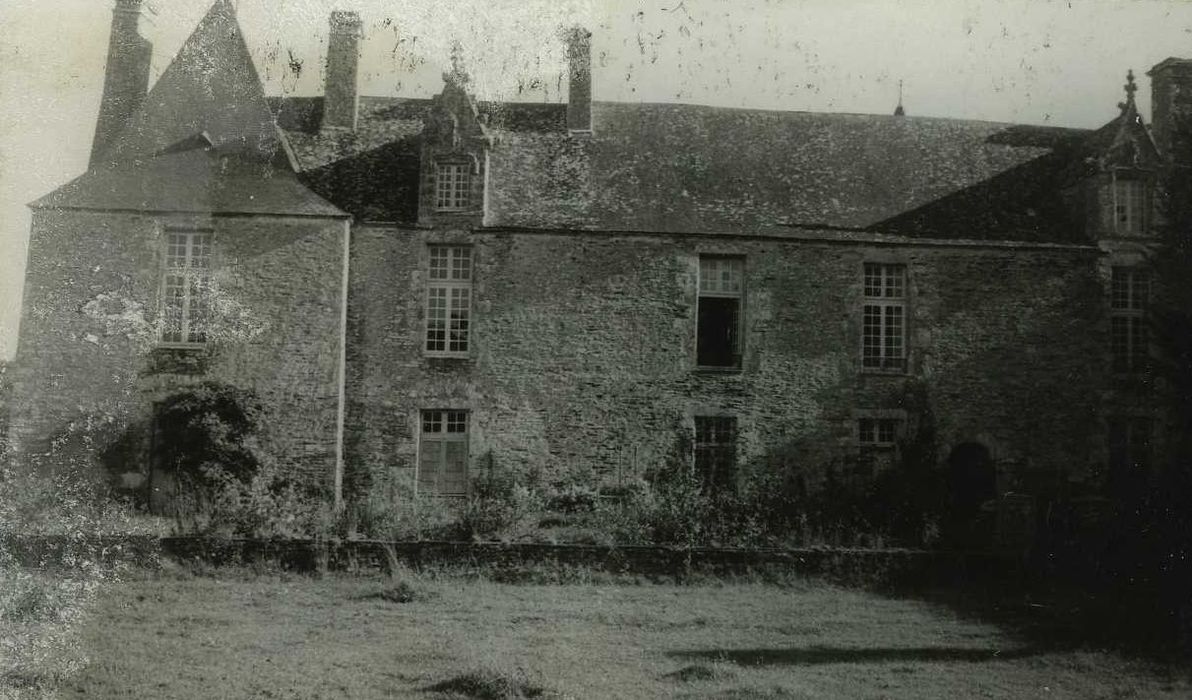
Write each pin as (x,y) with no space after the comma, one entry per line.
(877,442)
(1129,451)
(716,450)
(443,453)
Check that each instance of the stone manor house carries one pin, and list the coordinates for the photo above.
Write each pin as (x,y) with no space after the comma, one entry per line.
(420,290)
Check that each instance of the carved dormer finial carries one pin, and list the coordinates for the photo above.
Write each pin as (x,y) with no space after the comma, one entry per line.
(1130,89)
(458,75)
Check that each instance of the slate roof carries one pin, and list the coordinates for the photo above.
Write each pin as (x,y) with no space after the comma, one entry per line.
(200,181)
(207,138)
(691,168)
(204,140)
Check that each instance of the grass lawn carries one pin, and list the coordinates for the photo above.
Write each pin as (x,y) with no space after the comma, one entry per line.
(337,637)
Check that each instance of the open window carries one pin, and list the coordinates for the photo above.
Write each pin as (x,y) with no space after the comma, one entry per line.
(718,333)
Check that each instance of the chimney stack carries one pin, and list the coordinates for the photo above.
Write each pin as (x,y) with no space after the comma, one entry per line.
(126,80)
(340,97)
(1171,108)
(579,86)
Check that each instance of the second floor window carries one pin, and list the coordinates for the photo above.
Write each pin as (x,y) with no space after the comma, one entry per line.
(186,287)
(718,332)
(883,333)
(449,300)
(1129,295)
(453,186)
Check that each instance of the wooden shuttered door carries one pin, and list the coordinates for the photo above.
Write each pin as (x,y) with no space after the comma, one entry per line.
(443,453)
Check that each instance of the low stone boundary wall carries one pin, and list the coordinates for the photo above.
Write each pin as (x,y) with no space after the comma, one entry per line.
(866,566)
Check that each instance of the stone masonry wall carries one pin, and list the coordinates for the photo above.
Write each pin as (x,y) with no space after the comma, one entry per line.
(583,353)
(89,367)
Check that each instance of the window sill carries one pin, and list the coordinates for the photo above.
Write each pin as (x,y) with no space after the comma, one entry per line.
(447,360)
(178,359)
(875,372)
(712,369)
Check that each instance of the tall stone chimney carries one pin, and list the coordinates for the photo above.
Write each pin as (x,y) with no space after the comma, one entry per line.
(1171,108)
(340,97)
(127,75)
(579,85)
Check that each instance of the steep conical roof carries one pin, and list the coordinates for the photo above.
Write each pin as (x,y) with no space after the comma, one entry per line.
(204,141)
(210,87)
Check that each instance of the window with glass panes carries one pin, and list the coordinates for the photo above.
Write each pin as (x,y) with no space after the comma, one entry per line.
(883,342)
(878,432)
(716,449)
(453,183)
(443,453)
(1130,291)
(186,287)
(718,326)
(449,300)
(1129,205)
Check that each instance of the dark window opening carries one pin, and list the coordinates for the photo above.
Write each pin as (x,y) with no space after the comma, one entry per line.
(718,344)
(716,450)
(718,332)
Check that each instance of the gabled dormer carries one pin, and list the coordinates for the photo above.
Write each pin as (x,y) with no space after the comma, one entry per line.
(455,145)
(1126,166)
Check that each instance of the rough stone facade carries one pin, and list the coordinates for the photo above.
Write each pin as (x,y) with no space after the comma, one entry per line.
(583,356)
(585,237)
(90,362)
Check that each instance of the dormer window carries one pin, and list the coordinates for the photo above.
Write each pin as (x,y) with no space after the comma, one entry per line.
(1130,198)
(453,186)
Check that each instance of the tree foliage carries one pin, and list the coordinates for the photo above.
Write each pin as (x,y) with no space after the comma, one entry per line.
(207,432)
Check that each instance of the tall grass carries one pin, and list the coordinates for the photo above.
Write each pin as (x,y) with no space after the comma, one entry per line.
(44,603)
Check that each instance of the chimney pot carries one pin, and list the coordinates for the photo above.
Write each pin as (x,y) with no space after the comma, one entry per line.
(341,98)
(579,85)
(1171,107)
(126,76)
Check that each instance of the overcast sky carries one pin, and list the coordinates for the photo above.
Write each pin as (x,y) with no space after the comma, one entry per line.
(1031,61)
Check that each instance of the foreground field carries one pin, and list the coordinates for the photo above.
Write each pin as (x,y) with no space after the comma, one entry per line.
(340,637)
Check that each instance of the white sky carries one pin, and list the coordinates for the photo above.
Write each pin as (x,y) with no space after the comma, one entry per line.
(1030,61)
